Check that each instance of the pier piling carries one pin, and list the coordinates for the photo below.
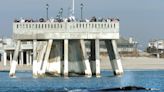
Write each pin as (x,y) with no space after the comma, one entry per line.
(114,57)
(15,58)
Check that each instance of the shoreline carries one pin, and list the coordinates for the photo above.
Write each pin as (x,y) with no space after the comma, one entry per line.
(129,63)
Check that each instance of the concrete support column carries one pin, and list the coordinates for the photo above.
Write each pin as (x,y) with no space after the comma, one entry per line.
(92,57)
(86,60)
(58,52)
(34,58)
(14,62)
(11,58)
(27,58)
(158,55)
(47,54)
(97,50)
(114,57)
(5,58)
(66,43)
(22,58)
(30,59)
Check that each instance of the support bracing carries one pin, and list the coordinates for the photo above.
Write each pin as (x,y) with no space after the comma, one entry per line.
(95,57)
(46,58)
(86,60)
(35,58)
(14,61)
(114,57)
(41,56)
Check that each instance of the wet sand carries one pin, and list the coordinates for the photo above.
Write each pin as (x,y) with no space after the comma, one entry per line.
(136,63)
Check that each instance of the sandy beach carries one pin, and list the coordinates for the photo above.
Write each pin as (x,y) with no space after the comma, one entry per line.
(129,63)
(137,63)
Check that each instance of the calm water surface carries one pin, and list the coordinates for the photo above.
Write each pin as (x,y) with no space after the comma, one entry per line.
(25,83)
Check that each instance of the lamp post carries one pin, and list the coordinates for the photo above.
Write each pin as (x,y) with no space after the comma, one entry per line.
(47,6)
(81,6)
(61,12)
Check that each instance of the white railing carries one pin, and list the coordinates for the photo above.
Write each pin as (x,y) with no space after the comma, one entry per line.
(66,26)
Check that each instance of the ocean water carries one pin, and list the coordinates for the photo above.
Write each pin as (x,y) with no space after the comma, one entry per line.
(24,82)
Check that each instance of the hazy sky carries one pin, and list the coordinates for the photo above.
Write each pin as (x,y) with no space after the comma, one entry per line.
(142,19)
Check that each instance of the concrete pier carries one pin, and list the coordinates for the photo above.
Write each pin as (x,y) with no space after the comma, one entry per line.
(60,48)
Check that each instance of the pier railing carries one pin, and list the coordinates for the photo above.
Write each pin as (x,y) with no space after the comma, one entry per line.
(66,30)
